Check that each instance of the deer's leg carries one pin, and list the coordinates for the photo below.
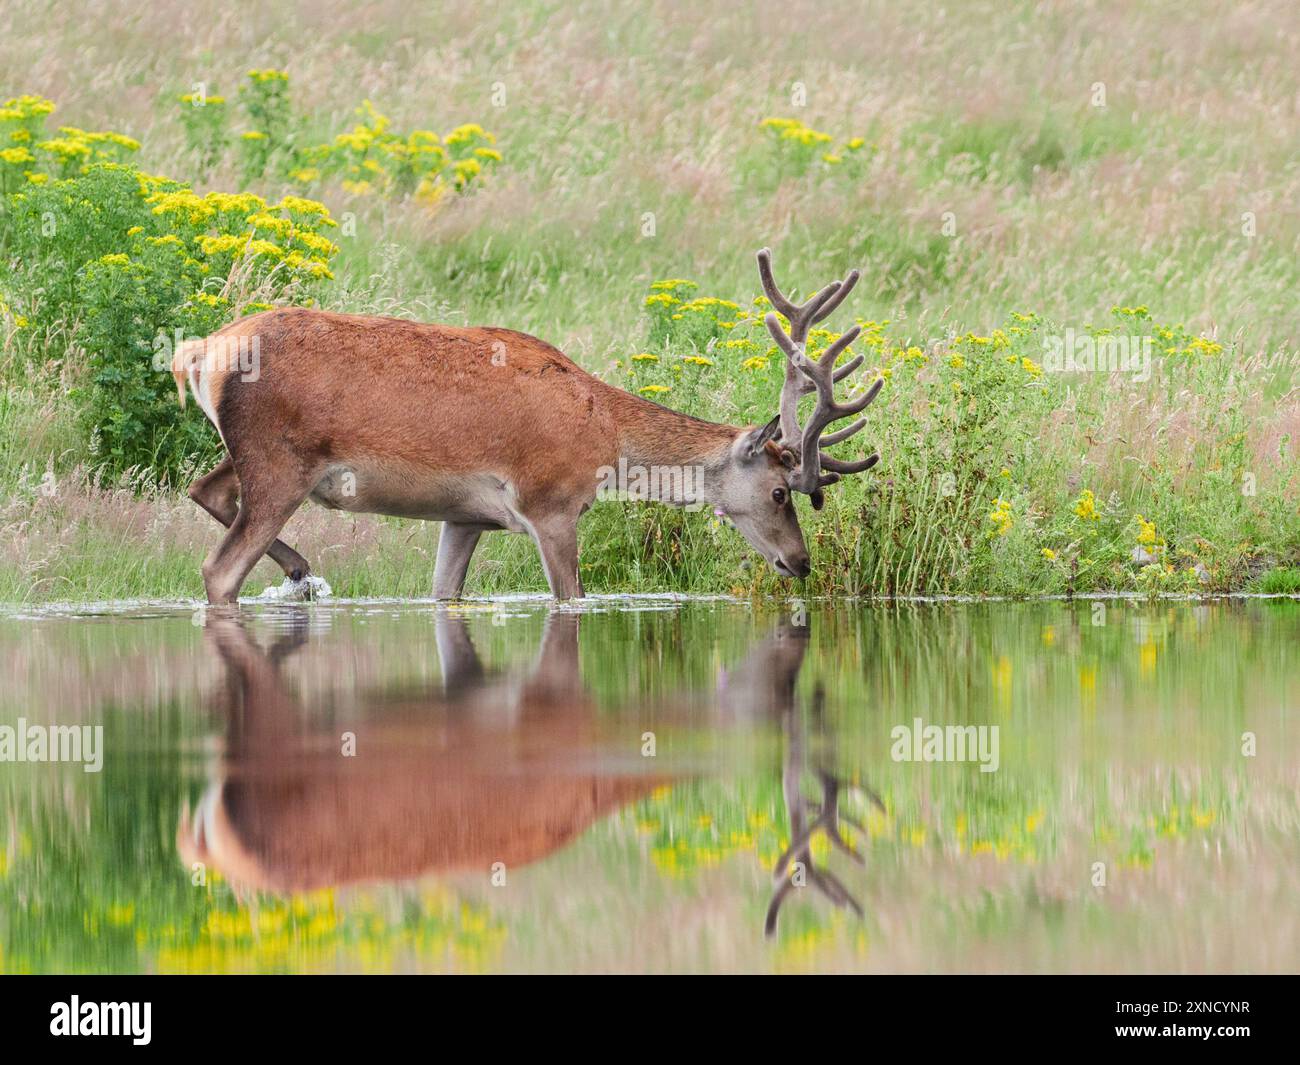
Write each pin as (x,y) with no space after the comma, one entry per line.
(262,514)
(217,494)
(557,543)
(456,546)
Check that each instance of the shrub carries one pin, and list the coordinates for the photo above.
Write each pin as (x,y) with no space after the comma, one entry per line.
(123,264)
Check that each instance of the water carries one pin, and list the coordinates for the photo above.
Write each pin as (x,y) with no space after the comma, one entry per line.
(507,786)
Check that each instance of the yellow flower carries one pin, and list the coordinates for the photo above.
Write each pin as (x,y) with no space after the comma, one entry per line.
(654,390)
(1002,517)
(1049,554)
(1086,506)
(645,356)
(697,360)
(264,76)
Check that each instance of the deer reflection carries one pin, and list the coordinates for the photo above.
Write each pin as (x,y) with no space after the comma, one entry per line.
(483,767)
(478,771)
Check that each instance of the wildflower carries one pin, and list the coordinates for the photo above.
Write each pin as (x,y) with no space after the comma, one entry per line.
(1032,368)
(1086,506)
(697,360)
(1001,517)
(654,390)
(754,363)
(1049,554)
(956,362)
(1146,531)
(263,77)
(645,356)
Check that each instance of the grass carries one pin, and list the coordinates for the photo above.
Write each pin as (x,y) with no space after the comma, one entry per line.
(987,183)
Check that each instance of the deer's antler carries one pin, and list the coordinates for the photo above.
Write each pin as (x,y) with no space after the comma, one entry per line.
(816,470)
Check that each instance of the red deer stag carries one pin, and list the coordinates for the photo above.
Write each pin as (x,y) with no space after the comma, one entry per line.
(488,429)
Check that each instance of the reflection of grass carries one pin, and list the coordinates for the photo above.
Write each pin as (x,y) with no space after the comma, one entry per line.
(319,933)
(1121,744)
(1060,202)
(98,888)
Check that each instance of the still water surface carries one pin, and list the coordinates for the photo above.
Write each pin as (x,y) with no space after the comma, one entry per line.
(654,784)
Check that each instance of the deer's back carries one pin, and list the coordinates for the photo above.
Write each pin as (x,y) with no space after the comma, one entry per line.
(458,400)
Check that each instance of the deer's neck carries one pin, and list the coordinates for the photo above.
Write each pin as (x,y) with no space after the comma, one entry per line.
(667,456)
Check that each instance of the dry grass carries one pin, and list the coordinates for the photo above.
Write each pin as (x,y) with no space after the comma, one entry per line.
(614,110)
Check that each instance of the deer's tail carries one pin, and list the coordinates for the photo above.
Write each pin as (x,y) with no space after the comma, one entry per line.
(185,364)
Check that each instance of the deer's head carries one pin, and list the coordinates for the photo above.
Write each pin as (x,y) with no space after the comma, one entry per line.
(770,463)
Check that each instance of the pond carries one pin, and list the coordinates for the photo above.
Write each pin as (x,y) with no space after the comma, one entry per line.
(651,784)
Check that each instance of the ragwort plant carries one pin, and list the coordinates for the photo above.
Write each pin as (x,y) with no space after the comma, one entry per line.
(974,492)
(121,265)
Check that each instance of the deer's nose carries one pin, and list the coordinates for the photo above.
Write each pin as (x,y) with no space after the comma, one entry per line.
(801,566)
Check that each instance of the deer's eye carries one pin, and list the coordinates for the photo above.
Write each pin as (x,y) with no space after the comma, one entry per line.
(779,495)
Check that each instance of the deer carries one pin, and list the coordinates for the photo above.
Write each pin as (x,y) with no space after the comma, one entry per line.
(488,429)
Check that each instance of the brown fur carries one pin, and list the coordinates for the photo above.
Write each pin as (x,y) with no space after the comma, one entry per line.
(483,428)
(486,770)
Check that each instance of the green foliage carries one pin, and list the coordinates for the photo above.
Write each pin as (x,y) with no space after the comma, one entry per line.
(124,266)
(368,159)
(204,119)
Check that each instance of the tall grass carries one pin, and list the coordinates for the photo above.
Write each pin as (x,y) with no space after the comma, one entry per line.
(989,181)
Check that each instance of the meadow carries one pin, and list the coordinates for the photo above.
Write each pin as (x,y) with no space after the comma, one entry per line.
(1010,178)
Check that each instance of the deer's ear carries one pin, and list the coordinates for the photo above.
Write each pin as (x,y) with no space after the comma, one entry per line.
(756,440)
(783,455)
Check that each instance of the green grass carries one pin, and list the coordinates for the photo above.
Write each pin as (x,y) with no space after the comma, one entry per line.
(991,187)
